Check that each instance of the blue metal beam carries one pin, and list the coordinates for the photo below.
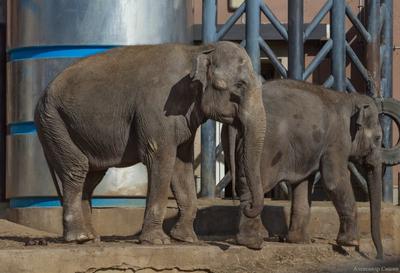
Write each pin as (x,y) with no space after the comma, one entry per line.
(387,87)
(208,134)
(373,48)
(296,44)
(356,61)
(357,24)
(317,19)
(338,58)
(231,21)
(253,32)
(272,57)
(318,59)
(274,21)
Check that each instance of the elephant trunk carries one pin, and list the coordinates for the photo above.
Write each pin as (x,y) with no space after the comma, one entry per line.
(232,157)
(252,116)
(375,195)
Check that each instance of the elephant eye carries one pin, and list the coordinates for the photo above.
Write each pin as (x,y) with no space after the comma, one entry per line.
(240,84)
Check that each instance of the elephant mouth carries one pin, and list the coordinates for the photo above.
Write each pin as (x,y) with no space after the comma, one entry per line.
(226,120)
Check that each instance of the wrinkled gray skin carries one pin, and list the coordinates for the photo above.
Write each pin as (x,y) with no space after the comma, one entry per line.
(310,128)
(144,104)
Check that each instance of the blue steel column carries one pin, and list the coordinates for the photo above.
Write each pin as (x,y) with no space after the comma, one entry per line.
(296,44)
(338,57)
(253,32)
(3,7)
(387,88)
(208,133)
(373,48)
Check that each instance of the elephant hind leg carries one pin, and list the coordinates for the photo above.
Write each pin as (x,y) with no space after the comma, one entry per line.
(70,164)
(92,180)
(72,167)
(336,179)
(300,213)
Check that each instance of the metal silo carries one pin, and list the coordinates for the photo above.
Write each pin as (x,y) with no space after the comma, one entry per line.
(46,36)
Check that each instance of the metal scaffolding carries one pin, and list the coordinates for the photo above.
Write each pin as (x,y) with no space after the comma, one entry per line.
(377,71)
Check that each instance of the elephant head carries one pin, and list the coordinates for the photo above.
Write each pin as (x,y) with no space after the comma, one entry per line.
(366,149)
(231,93)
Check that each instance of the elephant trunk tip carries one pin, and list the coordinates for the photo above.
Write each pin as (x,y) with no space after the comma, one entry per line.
(379,255)
(252,211)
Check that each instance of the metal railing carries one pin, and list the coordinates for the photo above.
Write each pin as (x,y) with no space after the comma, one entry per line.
(377,73)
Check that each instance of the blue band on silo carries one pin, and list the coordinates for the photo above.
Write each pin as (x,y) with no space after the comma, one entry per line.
(29,53)
(22,128)
(52,202)
(46,52)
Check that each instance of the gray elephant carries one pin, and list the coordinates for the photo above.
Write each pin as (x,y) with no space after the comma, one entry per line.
(309,129)
(144,104)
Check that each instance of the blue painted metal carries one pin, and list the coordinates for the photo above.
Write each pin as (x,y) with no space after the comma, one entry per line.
(387,88)
(272,57)
(356,61)
(357,24)
(373,48)
(231,21)
(274,21)
(350,86)
(48,202)
(329,82)
(338,55)
(317,19)
(22,128)
(55,52)
(382,16)
(253,32)
(208,132)
(296,42)
(318,59)
(336,45)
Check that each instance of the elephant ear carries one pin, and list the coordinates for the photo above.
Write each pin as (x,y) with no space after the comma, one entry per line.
(200,65)
(358,119)
(363,109)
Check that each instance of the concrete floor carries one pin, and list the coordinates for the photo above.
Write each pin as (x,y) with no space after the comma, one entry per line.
(18,253)
(119,251)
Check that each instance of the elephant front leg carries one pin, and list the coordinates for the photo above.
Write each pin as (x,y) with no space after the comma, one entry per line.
(184,189)
(336,179)
(160,172)
(300,213)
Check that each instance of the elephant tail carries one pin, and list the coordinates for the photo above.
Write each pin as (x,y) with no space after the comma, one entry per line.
(44,110)
(55,180)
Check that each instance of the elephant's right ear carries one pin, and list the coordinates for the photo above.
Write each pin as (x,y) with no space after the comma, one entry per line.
(200,65)
(358,119)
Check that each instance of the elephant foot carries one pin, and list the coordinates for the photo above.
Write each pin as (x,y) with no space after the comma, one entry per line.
(298,237)
(344,239)
(184,233)
(78,236)
(154,237)
(250,241)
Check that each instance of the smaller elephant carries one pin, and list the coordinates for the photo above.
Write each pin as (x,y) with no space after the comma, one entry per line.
(310,129)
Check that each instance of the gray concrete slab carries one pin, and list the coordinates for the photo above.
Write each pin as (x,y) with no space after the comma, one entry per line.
(212,254)
(218,217)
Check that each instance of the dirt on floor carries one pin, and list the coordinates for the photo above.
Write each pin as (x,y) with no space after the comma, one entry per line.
(323,255)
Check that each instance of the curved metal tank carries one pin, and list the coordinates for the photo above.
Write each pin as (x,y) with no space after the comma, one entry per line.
(46,36)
